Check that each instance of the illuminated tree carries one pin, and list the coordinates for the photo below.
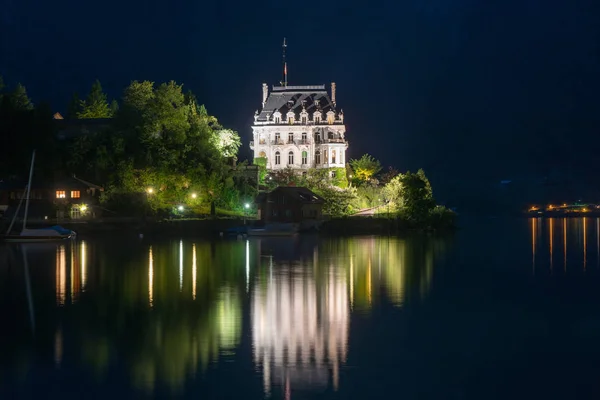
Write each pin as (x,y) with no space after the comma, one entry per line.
(365,168)
(95,104)
(227,142)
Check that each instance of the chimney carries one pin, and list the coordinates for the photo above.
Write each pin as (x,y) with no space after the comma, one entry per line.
(265,93)
(333,93)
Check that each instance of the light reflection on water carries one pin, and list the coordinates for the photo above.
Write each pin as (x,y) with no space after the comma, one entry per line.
(168,313)
(573,235)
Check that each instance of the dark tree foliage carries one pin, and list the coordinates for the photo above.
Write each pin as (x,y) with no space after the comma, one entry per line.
(24,128)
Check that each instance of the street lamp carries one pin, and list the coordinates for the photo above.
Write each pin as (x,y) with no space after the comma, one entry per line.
(194,195)
(246,208)
(150,190)
(180,208)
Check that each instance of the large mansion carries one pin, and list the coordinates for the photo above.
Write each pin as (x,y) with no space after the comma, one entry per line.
(299,127)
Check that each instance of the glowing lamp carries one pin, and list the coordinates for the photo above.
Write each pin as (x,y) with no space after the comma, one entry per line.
(247,206)
(194,195)
(150,190)
(180,208)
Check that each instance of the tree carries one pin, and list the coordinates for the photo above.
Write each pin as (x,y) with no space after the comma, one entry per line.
(227,142)
(95,104)
(417,196)
(365,168)
(337,201)
(19,99)
(393,193)
(114,108)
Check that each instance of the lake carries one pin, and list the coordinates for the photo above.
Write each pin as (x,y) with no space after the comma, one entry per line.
(500,309)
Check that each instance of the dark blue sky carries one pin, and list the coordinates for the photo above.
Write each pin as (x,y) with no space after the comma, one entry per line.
(479,89)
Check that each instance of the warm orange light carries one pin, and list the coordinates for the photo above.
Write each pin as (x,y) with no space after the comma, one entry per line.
(564,204)
(550,207)
(585,210)
(533,208)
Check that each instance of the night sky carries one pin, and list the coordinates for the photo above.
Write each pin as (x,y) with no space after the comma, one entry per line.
(469,90)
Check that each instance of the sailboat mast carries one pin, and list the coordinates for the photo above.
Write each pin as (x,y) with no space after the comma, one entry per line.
(28,190)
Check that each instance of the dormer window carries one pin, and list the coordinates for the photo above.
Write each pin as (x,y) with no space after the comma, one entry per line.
(277,117)
(304,116)
(317,117)
(290,117)
(330,117)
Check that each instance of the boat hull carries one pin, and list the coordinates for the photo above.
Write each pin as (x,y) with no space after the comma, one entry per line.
(276,229)
(35,239)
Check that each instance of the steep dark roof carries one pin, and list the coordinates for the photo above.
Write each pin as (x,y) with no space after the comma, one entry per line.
(289,98)
(301,194)
(67,183)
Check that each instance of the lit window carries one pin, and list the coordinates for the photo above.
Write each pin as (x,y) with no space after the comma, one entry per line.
(291,158)
(61,194)
(304,157)
(277,158)
(262,154)
(75,194)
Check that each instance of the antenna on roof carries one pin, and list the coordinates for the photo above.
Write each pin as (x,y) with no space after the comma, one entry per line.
(284,81)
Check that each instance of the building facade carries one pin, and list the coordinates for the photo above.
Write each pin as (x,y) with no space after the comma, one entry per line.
(299,127)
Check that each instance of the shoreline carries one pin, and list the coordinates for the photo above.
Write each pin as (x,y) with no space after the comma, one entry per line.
(214,227)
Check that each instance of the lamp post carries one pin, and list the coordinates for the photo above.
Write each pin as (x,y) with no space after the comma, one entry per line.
(246,208)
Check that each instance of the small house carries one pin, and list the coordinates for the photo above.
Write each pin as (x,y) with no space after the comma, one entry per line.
(70,198)
(289,204)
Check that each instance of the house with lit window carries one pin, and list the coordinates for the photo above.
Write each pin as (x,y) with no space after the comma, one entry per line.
(299,127)
(68,198)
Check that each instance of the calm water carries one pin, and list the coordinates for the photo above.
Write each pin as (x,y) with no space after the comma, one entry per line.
(501,309)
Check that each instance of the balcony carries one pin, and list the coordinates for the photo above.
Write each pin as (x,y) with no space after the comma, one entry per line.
(277,142)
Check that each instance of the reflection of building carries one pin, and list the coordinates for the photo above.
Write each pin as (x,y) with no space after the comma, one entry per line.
(300,326)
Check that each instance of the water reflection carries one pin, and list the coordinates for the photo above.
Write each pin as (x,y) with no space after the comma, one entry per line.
(576,234)
(168,312)
(299,326)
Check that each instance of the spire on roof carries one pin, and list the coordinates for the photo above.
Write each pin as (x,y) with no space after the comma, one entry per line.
(284,80)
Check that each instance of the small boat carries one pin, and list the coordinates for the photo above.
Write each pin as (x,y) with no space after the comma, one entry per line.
(49,234)
(274,229)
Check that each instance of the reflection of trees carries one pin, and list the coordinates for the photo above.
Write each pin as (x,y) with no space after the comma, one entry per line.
(403,266)
(168,339)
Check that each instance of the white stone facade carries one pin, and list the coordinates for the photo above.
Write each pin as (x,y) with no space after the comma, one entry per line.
(299,127)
